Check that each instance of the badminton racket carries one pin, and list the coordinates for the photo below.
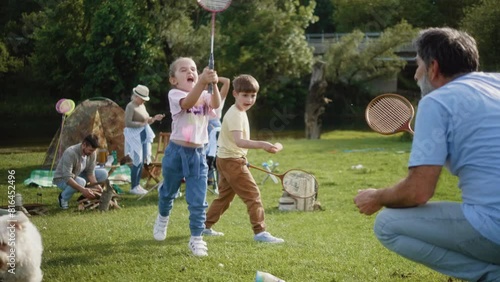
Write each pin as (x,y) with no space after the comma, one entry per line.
(213,6)
(64,107)
(296,182)
(390,113)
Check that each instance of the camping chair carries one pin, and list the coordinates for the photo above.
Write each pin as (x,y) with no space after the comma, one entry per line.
(211,159)
(153,170)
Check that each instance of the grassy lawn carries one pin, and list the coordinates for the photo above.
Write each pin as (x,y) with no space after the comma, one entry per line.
(335,244)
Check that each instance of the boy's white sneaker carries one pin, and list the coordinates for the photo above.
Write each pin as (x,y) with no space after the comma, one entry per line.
(211,232)
(266,237)
(198,246)
(160,228)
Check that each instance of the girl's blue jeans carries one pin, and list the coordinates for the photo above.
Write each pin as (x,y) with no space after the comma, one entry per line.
(189,163)
(438,235)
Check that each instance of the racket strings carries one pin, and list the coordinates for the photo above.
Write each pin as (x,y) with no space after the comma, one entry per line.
(300,184)
(214,5)
(381,121)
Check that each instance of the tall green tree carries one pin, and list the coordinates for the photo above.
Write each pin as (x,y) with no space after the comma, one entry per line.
(482,22)
(85,48)
(357,59)
(325,23)
(8,63)
(117,49)
(93,48)
(180,29)
(105,47)
(376,15)
(348,66)
(12,10)
(266,38)
(55,62)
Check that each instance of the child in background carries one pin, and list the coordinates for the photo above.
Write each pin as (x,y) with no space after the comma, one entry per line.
(235,178)
(215,122)
(190,106)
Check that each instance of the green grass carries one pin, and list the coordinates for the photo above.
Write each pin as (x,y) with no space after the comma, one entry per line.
(336,244)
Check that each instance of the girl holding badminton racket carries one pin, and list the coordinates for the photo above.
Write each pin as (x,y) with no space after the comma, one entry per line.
(190,106)
(235,177)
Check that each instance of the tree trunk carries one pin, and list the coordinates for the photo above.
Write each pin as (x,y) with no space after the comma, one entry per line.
(316,101)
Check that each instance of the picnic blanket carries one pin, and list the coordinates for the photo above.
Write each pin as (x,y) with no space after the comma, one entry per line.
(43,178)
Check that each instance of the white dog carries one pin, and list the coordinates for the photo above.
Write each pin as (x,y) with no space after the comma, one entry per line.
(20,249)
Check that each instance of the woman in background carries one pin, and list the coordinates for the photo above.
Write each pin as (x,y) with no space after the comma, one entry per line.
(138,135)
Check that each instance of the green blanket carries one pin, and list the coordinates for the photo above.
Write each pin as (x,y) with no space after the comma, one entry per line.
(43,178)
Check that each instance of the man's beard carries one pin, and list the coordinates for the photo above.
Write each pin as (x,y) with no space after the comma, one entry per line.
(425,85)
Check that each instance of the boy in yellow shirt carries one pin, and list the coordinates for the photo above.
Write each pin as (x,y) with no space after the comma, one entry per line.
(235,177)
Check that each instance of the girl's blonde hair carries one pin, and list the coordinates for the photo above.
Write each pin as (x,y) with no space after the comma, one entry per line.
(173,66)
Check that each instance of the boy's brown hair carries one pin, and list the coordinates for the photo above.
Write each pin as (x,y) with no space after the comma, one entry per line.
(245,83)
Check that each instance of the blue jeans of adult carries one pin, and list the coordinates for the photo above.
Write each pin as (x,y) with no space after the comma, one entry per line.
(212,123)
(67,191)
(136,170)
(438,236)
(189,163)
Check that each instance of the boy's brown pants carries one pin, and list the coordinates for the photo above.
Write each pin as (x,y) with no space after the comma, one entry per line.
(235,179)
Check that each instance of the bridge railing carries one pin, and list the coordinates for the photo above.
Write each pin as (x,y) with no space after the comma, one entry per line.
(321,41)
(335,37)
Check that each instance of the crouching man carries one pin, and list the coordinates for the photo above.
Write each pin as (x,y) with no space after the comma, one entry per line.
(76,168)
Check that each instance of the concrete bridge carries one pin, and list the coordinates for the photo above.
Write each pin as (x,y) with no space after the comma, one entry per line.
(321,41)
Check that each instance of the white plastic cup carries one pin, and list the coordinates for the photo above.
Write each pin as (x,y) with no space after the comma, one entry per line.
(266,277)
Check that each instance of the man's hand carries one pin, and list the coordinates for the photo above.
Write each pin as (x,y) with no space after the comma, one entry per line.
(88,193)
(98,188)
(367,201)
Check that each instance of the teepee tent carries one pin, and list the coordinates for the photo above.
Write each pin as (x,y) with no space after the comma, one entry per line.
(100,116)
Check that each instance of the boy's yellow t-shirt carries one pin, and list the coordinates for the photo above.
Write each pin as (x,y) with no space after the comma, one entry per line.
(234,120)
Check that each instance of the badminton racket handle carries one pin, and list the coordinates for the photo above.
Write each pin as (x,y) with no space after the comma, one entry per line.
(258,168)
(211,66)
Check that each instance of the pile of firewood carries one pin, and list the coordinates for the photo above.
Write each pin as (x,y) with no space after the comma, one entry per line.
(103,201)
